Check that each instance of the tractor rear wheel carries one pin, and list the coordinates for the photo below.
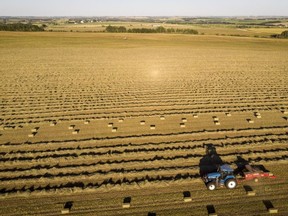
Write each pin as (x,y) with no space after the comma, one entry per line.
(211,185)
(231,183)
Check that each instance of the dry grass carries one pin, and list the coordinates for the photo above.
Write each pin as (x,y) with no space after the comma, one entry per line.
(183,85)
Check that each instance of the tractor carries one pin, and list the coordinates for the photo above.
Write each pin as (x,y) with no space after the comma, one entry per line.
(223,176)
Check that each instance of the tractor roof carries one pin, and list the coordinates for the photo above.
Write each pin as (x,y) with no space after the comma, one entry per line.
(226,168)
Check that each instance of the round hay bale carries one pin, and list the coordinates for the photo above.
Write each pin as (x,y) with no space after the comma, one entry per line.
(152,127)
(142,122)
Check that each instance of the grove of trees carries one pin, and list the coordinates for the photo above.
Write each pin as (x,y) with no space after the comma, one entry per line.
(20,27)
(159,29)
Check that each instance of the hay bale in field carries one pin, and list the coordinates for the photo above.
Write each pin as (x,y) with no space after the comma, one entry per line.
(71,127)
(228,114)
(269,206)
(152,127)
(126,202)
(142,122)
(76,131)
(215,118)
(216,122)
(110,124)
(273,210)
(114,129)
(53,123)
(195,115)
(35,129)
(250,121)
(257,114)
(65,211)
(162,118)
(87,122)
(32,134)
(285,112)
(182,125)
(67,207)
(184,119)
(187,196)
(120,120)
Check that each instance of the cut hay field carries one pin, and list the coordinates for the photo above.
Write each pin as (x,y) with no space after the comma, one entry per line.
(117,124)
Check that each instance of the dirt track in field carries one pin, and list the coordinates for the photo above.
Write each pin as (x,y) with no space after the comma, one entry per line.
(117,118)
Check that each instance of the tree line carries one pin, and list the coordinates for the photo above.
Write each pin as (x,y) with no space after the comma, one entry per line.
(284,34)
(160,29)
(21,27)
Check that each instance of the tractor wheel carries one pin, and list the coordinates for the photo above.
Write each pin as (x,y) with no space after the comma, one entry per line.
(231,183)
(211,186)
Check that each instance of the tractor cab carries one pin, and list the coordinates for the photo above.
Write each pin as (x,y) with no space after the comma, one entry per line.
(223,176)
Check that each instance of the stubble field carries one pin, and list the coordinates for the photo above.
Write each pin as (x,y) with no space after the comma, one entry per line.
(95,119)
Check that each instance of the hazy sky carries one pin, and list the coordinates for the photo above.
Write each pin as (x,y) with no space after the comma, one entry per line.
(143,7)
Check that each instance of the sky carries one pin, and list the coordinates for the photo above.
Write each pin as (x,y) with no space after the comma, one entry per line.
(143,7)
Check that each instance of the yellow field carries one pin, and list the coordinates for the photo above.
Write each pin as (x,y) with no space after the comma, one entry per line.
(96,118)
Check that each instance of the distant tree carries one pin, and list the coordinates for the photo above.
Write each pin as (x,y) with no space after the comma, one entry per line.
(284,34)
(160,29)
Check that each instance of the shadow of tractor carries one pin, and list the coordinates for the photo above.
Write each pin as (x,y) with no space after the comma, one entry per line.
(211,161)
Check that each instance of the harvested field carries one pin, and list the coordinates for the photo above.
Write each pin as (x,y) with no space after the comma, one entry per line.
(119,127)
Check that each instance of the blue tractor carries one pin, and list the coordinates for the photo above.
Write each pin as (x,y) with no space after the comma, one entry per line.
(223,177)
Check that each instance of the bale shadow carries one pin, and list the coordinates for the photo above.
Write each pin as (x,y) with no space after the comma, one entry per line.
(210,209)
(268,204)
(68,205)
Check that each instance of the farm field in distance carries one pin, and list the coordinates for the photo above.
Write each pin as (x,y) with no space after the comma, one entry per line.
(98,120)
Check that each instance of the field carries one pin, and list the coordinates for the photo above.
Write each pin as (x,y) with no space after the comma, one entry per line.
(95,120)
